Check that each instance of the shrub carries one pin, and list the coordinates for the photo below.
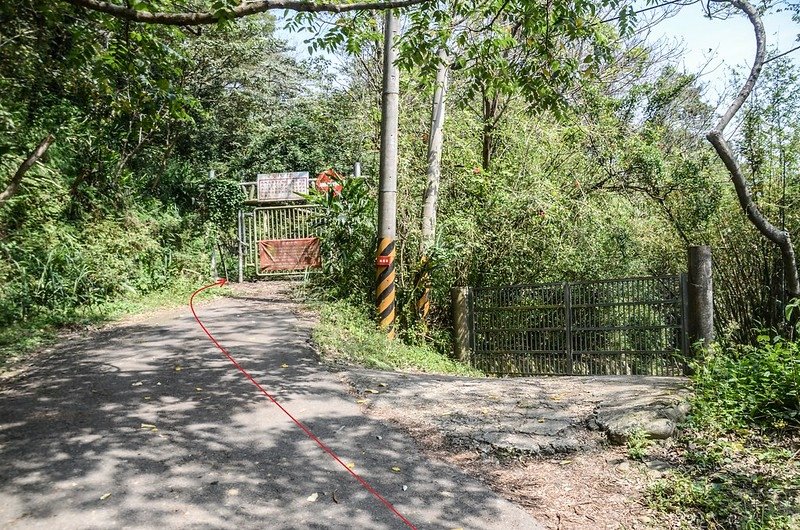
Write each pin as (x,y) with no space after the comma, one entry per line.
(738,387)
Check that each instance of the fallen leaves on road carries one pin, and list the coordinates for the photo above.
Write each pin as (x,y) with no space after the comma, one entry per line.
(312,497)
(105,496)
(149,426)
(396,469)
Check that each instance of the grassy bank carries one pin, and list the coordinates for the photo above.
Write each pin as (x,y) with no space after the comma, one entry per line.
(346,334)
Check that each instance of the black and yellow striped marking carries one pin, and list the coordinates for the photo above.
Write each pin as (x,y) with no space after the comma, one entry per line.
(424,303)
(384,291)
(422,285)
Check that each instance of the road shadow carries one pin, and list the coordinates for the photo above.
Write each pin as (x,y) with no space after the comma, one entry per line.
(148,425)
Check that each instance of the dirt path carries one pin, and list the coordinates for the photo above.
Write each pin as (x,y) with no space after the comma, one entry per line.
(536,441)
(146,425)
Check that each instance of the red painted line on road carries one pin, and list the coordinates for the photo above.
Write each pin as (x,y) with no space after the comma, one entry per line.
(297,422)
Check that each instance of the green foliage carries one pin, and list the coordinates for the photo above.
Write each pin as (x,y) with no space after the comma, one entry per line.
(742,387)
(638,444)
(63,268)
(347,334)
(769,148)
(596,165)
(23,336)
(121,207)
(346,223)
(500,47)
(308,135)
(753,499)
(223,199)
(737,457)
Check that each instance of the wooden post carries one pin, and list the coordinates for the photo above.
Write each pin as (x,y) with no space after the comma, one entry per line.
(462,330)
(700,297)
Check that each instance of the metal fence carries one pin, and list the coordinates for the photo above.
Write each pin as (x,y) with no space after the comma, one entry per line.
(271,223)
(632,326)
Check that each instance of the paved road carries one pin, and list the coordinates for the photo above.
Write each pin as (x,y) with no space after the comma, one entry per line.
(146,425)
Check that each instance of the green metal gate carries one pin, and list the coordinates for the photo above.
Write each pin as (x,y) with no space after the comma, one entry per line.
(286,224)
(632,326)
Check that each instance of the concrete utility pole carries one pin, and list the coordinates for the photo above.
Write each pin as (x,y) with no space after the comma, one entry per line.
(387,197)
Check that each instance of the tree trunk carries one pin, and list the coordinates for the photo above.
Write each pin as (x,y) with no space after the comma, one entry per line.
(432,186)
(781,238)
(16,180)
(489,123)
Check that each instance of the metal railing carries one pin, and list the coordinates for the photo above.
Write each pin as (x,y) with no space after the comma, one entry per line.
(631,326)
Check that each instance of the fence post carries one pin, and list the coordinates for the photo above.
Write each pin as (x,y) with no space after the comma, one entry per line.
(240,237)
(568,326)
(685,346)
(462,331)
(700,297)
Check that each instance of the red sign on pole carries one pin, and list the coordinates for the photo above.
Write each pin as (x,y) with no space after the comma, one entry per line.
(384,261)
(329,180)
(289,254)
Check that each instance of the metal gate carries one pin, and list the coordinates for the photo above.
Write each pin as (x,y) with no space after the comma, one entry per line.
(632,326)
(278,240)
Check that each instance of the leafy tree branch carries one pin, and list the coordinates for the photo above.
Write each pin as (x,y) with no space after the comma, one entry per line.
(781,238)
(16,180)
(243,9)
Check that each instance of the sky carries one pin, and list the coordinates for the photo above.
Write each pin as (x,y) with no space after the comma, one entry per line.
(727,43)
(723,44)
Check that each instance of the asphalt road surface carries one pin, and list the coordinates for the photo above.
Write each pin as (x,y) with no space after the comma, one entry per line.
(147,425)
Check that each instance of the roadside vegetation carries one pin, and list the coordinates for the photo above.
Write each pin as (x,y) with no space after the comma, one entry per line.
(346,335)
(737,461)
